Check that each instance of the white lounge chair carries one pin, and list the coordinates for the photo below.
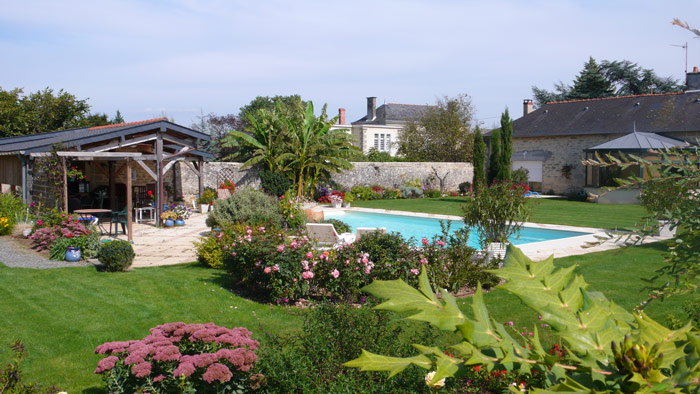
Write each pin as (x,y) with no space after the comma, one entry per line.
(367,230)
(325,235)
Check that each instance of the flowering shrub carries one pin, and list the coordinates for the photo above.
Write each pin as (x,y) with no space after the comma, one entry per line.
(4,226)
(336,199)
(183,358)
(290,208)
(181,211)
(168,215)
(49,217)
(227,184)
(11,210)
(46,235)
(11,376)
(283,265)
(89,245)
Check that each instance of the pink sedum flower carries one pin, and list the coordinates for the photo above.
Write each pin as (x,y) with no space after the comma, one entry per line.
(218,372)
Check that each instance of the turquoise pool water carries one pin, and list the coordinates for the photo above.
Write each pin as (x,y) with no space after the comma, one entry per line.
(419,227)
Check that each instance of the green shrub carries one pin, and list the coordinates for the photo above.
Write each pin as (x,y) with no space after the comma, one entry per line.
(497,212)
(432,193)
(311,361)
(392,194)
(365,193)
(464,187)
(339,225)
(116,255)
(274,183)
(11,208)
(576,194)
(208,196)
(291,210)
(520,176)
(246,205)
(209,252)
(11,376)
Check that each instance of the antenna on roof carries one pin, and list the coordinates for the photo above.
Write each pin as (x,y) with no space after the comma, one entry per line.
(634,126)
(684,46)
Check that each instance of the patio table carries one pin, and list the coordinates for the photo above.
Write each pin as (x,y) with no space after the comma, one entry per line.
(96,212)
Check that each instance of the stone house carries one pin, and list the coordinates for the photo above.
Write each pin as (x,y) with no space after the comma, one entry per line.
(551,141)
(381,126)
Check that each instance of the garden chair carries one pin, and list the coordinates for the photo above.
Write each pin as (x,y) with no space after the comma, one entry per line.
(325,235)
(368,230)
(532,194)
(118,217)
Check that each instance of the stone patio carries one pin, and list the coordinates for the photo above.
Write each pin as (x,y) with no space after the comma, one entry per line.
(165,246)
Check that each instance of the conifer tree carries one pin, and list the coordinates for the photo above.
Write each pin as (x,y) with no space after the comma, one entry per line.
(495,158)
(479,159)
(504,169)
(591,83)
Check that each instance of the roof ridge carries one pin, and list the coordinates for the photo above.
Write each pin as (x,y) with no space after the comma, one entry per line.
(615,97)
(420,105)
(127,124)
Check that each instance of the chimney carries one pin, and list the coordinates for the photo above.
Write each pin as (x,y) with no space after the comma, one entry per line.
(341,115)
(371,108)
(692,80)
(527,106)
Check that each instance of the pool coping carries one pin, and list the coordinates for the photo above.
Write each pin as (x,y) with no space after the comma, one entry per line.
(571,246)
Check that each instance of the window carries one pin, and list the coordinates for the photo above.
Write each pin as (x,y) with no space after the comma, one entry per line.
(381,142)
(388,142)
(376,141)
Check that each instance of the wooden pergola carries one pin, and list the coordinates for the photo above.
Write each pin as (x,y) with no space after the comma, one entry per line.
(157,141)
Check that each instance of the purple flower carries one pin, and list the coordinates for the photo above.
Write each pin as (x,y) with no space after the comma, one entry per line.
(185,369)
(141,370)
(106,364)
(158,378)
(218,372)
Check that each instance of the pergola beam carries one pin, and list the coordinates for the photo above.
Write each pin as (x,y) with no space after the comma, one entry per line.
(122,143)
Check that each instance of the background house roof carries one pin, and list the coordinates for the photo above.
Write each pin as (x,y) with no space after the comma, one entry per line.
(656,113)
(640,141)
(396,113)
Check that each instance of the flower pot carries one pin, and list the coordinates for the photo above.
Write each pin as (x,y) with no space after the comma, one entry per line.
(665,229)
(337,204)
(203,208)
(179,222)
(346,204)
(168,223)
(496,250)
(73,254)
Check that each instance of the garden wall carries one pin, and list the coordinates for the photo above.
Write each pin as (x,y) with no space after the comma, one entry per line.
(387,174)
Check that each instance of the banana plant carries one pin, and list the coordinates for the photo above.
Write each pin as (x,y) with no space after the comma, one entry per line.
(612,350)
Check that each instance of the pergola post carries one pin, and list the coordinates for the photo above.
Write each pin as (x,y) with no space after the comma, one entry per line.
(159,166)
(129,208)
(65,185)
(200,165)
(112,192)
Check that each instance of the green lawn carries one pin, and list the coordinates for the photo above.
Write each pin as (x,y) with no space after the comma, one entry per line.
(552,211)
(62,314)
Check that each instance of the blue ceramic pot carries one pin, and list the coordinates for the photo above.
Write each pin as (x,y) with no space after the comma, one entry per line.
(179,222)
(169,223)
(72,254)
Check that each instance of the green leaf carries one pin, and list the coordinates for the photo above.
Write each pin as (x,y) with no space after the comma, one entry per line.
(374,362)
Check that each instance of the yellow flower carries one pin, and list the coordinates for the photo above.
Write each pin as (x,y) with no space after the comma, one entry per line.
(4,222)
(429,377)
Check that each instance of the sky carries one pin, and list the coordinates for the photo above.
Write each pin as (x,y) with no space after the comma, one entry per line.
(184,57)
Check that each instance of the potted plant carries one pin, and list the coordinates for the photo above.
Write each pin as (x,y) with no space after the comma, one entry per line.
(226,188)
(336,200)
(349,198)
(205,200)
(168,218)
(496,212)
(181,212)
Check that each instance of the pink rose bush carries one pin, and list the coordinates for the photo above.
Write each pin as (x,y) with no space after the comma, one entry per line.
(179,357)
(285,265)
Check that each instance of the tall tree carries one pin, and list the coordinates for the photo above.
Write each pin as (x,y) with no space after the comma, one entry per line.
(591,83)
(479,159)
(495,158)
(594,81)
(218,127)
(504,168)
(43,111)
(443,133)
(118,118)
(260,143)
(291,105)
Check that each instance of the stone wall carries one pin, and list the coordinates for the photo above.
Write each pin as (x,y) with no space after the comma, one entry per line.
(388,174)
(565,150)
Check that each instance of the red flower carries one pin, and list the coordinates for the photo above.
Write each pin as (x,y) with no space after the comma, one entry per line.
(150,193)
(68,235)
(477,368)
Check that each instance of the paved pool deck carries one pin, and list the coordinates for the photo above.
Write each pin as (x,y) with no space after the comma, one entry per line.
(156,246)
(562,247)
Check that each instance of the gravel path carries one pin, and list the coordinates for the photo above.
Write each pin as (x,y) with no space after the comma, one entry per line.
(13,255)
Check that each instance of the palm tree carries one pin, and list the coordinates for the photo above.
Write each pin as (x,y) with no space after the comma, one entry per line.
(315,149)
(262,142)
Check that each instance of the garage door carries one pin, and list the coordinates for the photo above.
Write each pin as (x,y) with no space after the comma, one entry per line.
(534,168)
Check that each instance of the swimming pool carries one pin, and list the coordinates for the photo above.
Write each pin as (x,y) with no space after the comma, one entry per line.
(419,227)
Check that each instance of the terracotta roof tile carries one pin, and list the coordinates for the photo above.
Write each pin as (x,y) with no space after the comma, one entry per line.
(127,124)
